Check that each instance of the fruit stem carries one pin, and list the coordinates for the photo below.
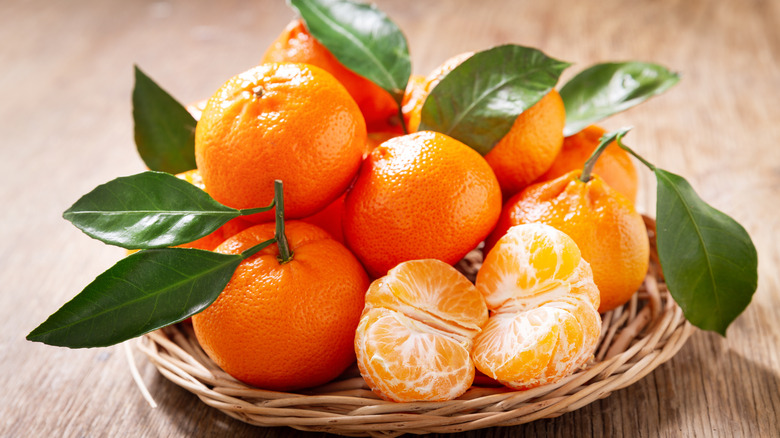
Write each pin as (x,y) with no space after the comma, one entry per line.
(604,141)
(401,118)
(285,255)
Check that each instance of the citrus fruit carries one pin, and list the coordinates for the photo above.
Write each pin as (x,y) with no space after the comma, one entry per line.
(526,151)
(285,326)
(543,323)
(604,224)
(422,195)
(330,219)
(614,165)
(414,338)
(530,146)
(296,44)
(292,122)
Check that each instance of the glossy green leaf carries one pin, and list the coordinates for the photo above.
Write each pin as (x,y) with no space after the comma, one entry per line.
(149,210)
(479,100)
(606,89)
(362,38)
(164,129)
(709,261)
(140,293)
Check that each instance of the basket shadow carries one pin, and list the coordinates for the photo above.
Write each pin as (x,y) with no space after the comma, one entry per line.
(687,396)
(188,416)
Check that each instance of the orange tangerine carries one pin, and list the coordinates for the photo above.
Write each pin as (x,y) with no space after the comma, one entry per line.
(285,325)
(608,230)
(525,152)
(614,165)
(544,323)
(414,338)
(296,44)
(418,196)
(292,122)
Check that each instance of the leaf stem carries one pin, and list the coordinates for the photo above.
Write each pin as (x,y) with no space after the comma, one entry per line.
(619,141)
(248,211)
(257,248)
(285,255)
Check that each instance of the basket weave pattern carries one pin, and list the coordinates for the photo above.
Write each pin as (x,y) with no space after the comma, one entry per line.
(635,339)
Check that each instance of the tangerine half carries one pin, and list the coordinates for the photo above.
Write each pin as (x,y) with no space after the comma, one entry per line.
(414,338)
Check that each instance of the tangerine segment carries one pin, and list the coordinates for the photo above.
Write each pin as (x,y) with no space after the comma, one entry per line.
(432,292)
(544,323)
(525,262)
(404,360)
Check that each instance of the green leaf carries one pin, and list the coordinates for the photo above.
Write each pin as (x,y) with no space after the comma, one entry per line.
(362,38)
(148,210)
(709,261)
(606,89)
(479,100)
(141,293)
(164,129)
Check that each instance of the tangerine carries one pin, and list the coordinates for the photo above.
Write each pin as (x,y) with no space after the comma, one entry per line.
(296,44)
(285,326)
(614,165)
(526,151)
(422,195)
(293,122)
(414,338)
(607,229)
(543,323)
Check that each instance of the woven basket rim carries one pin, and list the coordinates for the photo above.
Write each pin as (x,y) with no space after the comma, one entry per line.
(636,338)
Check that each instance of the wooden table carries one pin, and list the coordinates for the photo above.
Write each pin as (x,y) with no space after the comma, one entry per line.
(65,127)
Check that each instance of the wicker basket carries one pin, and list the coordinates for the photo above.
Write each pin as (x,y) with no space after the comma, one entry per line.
(636,339)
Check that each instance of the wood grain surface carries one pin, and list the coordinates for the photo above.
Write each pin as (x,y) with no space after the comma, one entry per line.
(65,127)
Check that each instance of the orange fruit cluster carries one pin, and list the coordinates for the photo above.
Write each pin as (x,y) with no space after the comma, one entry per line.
(402,209)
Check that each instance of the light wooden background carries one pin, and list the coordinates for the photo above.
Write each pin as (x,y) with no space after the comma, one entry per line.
(65,127)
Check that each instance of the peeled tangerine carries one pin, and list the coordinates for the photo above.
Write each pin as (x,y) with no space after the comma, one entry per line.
(415,335)
(544,323)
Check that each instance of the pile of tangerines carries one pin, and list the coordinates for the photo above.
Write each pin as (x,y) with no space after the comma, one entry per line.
(379,212)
